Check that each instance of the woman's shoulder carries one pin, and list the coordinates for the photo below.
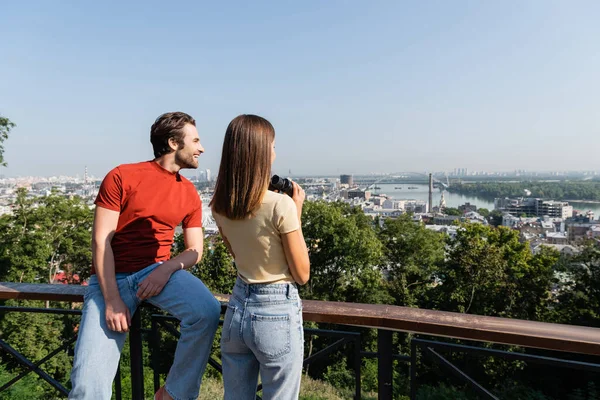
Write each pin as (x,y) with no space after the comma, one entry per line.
(279,204)
(277,199)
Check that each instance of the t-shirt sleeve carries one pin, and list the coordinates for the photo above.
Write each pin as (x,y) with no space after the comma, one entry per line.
(286,215)
(111,191)
(194,218)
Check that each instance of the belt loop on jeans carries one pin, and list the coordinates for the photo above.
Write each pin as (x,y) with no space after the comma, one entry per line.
(288,290)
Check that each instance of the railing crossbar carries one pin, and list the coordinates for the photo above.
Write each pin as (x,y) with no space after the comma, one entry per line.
(28,364)
(544,360)
(323,332)
(460,374)
(325,352)
(39,310)
(23,374)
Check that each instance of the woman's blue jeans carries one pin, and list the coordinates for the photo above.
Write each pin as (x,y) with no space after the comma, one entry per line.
(263,334)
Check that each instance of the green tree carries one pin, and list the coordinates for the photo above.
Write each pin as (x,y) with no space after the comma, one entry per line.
(452,211)
(41,236)
(579,291)
(5,126)
(495,218)
(345,257)
(484,212)
(345,254)
(488,271)
(44,235)
(216,269)
(412,255)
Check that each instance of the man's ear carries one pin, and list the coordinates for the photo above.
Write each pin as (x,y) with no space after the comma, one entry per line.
(173,144)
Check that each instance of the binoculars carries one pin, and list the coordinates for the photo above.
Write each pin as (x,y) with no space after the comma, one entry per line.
(283,185)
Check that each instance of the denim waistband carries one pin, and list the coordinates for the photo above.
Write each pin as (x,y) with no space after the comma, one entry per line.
(122,275)
(119,275)
(266,288)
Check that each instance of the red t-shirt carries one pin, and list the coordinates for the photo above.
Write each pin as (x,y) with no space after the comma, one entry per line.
(152,202)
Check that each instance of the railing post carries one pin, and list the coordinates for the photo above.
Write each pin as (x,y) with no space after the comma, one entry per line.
(135,352)
(413,370)
(385,364)
(155,340)
(357,365)
(118,391)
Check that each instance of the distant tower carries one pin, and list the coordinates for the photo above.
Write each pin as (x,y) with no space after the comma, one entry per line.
(430,192)
(208,175)
(347,179)
(442,202)
(86,187)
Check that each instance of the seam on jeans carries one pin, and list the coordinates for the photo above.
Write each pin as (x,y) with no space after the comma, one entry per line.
(227,328)
(132,291)
(242,321)
(259,304)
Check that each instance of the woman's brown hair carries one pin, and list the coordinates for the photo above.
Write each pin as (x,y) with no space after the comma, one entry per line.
(245,168)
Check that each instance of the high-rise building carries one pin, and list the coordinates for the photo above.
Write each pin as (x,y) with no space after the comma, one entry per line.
(208,177)
(534,207)
(347,179)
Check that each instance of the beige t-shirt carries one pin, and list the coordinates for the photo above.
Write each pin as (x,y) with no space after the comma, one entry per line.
(256,241)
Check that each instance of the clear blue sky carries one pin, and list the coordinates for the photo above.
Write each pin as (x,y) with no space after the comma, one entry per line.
(350,86)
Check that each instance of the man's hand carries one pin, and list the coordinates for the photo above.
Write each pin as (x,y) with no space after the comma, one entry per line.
(154,283)
(117,316)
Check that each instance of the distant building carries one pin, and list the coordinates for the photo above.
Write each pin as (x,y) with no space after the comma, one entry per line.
(534,207)
(579,231)
(395,204)
(564,249)
(474,216)
(446,219)
(347,180)
(359,194)
(467,207)
(556,238)
(415,206)
(451,230)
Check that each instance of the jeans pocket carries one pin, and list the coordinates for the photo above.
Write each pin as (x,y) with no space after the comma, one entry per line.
(227,322)
(271,335)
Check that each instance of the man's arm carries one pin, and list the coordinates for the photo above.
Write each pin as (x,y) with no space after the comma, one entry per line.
(156,281)
(117,314)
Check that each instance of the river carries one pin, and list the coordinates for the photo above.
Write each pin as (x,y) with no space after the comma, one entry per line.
(454,199)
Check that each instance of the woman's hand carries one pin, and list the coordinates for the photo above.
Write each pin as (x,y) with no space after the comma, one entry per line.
(298,195)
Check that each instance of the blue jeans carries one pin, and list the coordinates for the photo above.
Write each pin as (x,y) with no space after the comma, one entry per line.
(262,333)
(98,349)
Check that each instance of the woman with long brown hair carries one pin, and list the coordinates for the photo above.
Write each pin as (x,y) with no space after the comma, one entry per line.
(262,331)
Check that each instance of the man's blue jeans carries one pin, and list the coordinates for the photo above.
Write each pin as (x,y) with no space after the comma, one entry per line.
(98,349)
(263,333)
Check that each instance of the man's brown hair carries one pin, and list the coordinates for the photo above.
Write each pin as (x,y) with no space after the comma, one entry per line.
(245,168)
(168,126)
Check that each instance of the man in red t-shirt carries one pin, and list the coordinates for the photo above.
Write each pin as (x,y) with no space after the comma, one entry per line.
(137,210)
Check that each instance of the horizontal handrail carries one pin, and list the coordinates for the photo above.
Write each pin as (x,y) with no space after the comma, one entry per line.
(568,338)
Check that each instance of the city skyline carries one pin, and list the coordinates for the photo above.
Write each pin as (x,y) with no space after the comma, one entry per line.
(350,88)
(200,174)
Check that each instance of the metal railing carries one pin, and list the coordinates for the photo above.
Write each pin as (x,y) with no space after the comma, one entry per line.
(386,319)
